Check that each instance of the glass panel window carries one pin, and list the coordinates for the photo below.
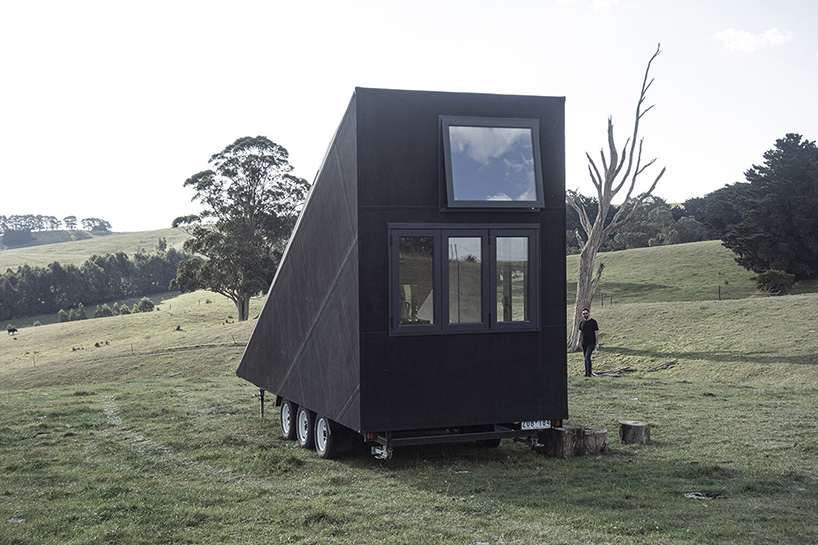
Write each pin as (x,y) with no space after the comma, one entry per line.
(416,280)
(465,280)
(512,279)
(492,162)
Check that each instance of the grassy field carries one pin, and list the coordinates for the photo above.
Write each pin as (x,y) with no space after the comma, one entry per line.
(698,271)
(77,251)
(150,438)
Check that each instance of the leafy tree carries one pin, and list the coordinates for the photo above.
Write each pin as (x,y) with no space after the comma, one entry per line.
(779,223)
(96,225)
(145,305)
(70,222)
(687,229)
(103,311)
(717,210)
(251,204)
(62,315)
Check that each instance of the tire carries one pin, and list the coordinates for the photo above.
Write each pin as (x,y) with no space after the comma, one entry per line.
(324,438)
(305,427)
(287,412)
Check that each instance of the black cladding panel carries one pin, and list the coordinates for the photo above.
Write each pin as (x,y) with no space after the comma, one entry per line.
(444,380)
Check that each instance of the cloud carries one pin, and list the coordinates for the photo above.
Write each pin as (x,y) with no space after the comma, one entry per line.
(742,41)
(482,144)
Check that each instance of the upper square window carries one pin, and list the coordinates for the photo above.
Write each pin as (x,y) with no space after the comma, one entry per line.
(492,162)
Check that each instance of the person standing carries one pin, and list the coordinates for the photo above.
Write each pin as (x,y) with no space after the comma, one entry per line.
(588,338)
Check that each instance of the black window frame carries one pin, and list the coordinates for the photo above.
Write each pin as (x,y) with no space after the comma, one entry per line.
(447,121)
(488,235)
(394,282)
(485,258)
(533,235)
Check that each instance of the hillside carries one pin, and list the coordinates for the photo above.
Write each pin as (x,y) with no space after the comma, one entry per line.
(696,271)
(77,251)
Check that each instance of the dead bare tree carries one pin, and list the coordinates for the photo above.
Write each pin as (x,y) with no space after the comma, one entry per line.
(609,182)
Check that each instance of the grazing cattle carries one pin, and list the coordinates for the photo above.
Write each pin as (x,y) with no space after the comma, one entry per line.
(12,330)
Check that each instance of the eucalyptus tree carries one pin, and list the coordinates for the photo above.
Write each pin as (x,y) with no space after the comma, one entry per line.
(251,202)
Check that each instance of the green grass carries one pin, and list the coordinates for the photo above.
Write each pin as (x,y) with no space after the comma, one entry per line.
(769,340)
(698,271)
(150,438)
(77,251)
(182,338)
(188,460)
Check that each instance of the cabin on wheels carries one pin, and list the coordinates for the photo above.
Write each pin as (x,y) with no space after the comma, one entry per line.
(421,297)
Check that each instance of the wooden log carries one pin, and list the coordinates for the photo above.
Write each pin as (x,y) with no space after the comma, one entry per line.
(633,431)
(571,440)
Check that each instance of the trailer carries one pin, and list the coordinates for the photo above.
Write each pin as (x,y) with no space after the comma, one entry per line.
(421,297)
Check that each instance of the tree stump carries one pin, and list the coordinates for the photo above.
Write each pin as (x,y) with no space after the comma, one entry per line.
(633,431)
(571,440)
(594,440)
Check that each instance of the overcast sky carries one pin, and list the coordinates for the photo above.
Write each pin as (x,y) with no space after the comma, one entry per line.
(107,107)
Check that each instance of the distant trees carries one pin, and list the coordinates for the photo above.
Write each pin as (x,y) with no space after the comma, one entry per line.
(777,206)
(251,204)
(654,223)
(33,223)
(96,225)
(28,222)
(717,210)
(30,290)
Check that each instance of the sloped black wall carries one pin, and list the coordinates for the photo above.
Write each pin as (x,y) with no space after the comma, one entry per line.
(305,345)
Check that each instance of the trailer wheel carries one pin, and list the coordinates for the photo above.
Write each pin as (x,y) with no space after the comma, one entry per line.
(305,427)
(287,413)
(324,438)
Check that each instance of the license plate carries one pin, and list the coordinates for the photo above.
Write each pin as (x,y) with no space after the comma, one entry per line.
(536,425)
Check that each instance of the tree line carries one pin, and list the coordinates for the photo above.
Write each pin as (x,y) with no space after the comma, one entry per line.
(654,223)
(32,222)
(30,291)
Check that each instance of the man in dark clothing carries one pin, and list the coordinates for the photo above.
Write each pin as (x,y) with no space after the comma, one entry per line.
(588,338)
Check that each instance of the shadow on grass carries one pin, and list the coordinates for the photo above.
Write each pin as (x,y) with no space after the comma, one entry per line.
(720,356)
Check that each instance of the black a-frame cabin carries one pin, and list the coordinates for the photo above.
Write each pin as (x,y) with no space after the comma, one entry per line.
(421,298)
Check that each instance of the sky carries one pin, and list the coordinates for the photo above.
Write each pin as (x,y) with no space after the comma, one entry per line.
(107,107)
